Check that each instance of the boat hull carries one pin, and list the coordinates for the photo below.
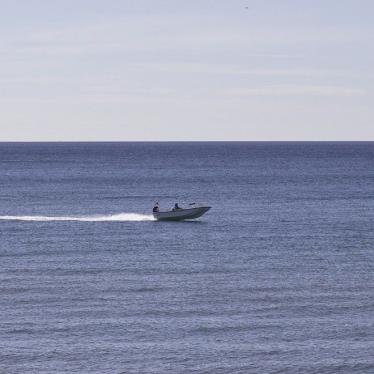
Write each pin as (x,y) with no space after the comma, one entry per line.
(181,214)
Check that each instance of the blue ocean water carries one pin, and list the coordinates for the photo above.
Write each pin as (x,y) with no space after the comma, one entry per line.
(276,278)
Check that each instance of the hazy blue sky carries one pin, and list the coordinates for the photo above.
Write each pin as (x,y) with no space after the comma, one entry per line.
(187,70)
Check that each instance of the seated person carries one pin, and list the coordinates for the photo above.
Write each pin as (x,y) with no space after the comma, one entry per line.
(156,208)
(176,207)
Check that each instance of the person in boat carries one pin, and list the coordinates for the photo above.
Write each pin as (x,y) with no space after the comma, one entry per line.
(176,207)
(156,208)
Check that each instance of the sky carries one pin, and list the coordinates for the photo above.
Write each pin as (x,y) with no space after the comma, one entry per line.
(151,70)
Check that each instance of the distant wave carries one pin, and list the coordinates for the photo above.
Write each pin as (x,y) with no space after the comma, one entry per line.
(98,218)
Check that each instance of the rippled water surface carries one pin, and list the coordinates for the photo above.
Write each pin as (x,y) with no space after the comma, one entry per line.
(276,278)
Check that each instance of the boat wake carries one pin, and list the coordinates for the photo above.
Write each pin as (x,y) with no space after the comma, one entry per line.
(125,217)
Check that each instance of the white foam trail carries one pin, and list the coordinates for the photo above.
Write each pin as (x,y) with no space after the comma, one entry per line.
(116,217)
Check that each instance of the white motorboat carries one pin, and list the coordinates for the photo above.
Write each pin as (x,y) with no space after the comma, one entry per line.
(194,211)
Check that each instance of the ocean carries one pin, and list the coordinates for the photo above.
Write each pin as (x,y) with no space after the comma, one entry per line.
(278,277)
